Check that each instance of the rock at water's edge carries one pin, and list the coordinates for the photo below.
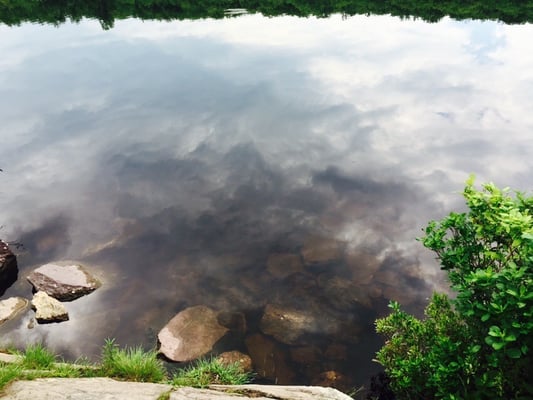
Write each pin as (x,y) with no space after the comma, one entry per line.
(48,309)
(235,357)
(192,333)
(63,282)
(8,267)
(109,389)
(10,308)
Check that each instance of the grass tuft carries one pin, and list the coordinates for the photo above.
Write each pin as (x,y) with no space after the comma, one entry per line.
(36,356)
(132,364)
(207,372)
(8,373)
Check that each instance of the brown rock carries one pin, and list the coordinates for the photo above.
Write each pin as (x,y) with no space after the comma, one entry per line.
(333,379)
(64,282)
(48,309)
(403,295)
(336,351)
(283,265)
(305,354)
(362,266)
(269,359)
(388,277)
(192,333)
(8,267)
(234,321)
(236,357)
(288,325)
(299,327)
(318,251)
(343,294)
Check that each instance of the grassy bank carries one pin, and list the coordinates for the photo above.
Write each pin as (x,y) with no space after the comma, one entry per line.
(130,364)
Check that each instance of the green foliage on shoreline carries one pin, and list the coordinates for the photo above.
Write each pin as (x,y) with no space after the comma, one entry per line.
(130,364)
(478,345)
(15,12)
(210,371)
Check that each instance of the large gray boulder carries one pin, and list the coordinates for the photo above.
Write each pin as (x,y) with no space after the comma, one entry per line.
(10,308)
(191,334)
(109,389)
(63,281)
(8,267)
(48,309)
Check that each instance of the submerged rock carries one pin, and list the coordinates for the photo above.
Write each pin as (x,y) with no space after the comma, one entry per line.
(191,334)
(334,379)
(8,267)
(295,326)
(236,357)
(306,354)
(283,265)
(321,251)
(48,309)
(269,359)
(64,282)
(12,307)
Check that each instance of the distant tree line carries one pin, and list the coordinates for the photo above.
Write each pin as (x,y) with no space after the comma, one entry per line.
(15,12)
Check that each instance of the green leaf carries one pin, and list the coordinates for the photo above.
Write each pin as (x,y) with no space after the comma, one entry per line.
(475,349)
(510,338)
(513,352)
(485,317)
(495,331)
(497,345)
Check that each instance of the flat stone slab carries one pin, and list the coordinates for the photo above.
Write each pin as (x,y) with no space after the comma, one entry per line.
(48,309)
(9,358)
(64,282)
(110,389)
(83,389)
(282,392)
(10,308)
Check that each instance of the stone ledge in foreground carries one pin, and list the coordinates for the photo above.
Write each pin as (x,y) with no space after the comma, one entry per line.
(110,389)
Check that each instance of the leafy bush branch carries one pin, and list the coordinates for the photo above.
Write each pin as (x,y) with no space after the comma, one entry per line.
(478,345)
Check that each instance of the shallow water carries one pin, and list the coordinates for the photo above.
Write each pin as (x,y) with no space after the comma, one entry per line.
(179,160)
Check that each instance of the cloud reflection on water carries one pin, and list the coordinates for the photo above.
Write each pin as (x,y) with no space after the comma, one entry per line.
(177,153)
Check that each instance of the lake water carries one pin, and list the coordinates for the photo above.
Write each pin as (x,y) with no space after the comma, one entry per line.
(182,160)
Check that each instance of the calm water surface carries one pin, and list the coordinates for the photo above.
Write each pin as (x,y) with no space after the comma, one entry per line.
(177,158)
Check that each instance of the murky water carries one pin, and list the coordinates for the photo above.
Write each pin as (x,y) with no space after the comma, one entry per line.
(253,161)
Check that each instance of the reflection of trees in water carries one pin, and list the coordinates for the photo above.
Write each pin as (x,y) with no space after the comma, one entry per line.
(107,11)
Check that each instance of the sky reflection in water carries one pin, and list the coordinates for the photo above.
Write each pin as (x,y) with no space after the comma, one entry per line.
(166,154)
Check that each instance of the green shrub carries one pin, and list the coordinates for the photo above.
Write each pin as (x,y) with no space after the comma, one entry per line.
(211,371)
(132,364)
(477,346)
